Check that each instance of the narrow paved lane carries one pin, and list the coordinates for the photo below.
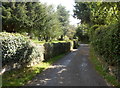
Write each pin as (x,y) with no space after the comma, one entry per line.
(74,69)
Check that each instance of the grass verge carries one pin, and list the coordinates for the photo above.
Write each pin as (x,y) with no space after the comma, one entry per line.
(21,76)
(53,41)
(38,42)
(100,68)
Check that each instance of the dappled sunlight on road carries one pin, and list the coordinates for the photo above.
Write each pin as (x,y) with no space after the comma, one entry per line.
(56,66)
(74,69)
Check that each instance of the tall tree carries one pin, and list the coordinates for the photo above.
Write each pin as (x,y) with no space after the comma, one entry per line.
(71,31)
(29,16)
(82,33)
(82,12)
(37,19)
(52,27)
(100,13)
(13,16)
(63,16)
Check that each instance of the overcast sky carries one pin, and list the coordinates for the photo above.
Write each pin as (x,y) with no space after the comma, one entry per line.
(69,4)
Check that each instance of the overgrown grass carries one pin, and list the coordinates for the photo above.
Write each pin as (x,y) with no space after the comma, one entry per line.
(99,66)
(21,76)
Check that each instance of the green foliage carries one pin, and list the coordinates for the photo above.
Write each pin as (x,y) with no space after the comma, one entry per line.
(18,49)
(54,49)
(105,40)
(63,17)
(104,23)
(37,20)
(82,33)
(34,18)
(71,32)
(100,67)
(21,76)
(21,15)
(82,11)
(100,13)
(103,12)
(75,44)
(52,26)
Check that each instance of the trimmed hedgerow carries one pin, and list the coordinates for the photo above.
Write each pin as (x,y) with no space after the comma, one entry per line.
(106,42)
(54,49)
(17,49)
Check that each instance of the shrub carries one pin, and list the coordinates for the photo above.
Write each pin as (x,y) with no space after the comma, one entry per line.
(17,49)
(75,44)
(82,33)
(54,49)
(106,42)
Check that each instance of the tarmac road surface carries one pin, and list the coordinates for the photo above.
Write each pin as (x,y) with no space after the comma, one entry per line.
(74,69)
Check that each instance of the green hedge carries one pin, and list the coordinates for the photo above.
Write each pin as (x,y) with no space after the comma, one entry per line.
(17,49)
(54,49)
(75,44)
(106,42)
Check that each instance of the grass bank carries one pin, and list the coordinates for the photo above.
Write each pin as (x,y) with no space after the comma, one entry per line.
(100,68)
(53,41)
(21,76)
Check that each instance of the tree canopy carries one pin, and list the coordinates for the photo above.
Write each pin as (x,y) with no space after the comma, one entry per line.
(97,12)
(63,16)
(36,19)
(103,23)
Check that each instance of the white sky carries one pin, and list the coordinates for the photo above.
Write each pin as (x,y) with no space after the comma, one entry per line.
(69,4)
